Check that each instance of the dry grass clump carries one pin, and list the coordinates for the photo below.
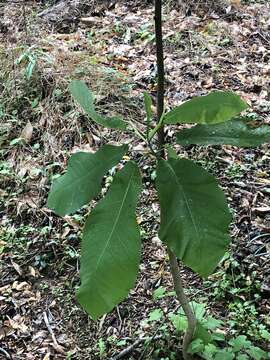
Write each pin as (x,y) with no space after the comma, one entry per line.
(44,100)
(40,108)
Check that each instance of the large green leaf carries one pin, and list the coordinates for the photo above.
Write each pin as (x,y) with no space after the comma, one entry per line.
(84,97)
(217,107)
(236,132)
(111,245)
(202,333)
(194,214)
(82,181)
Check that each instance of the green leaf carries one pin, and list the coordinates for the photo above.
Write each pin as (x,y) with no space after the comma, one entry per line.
(159,293)
(194,214)
(235,132)
(209,351)
(242,357)
(155,315)
(198,309)
(218,336)
(111,245)
(257,353)
(179,322)
(265,334)
(202,333)
(82,181)
(196,346)
(224,355)
(239,343)
(102,347)
(217,107)
(84,97)
(211,323)
(171,153)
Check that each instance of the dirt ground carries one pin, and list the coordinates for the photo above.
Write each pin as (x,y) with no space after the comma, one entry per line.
(110,45)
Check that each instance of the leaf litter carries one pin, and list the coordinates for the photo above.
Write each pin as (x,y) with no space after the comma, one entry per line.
(111,47)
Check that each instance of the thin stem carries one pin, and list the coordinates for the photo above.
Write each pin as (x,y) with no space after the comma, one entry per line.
(156,129)
(160,71)
(184,301)
(138,132)
(178,285)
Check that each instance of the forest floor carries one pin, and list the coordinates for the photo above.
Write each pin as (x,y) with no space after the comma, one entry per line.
(113,51)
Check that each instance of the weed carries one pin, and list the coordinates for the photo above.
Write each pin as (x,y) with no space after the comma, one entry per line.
(235,171)
(30,58)
(145,33)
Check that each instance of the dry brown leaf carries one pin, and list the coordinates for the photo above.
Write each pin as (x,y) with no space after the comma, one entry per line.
(17,323)
(65,232)
(27,132)
(16,267)
(23,286)
(4,331)
(2,243)
(32,271)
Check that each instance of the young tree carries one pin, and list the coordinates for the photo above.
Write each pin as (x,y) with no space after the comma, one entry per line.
(194,214)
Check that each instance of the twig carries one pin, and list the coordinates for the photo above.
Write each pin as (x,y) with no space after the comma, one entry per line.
(101,323)
(263,37)
(128,350)
(3,351)
(257,237)
(57,347)
(154,337)
(119,316)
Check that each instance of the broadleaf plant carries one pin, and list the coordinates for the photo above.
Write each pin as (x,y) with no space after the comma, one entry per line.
(236,132)
(111,245)
(214,108)
(82,181)
(194,214)
(85,98)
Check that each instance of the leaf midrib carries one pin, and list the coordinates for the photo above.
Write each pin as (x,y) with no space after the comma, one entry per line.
(114,226)
(186,202)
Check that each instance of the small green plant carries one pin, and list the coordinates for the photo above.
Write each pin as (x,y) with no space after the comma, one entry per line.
(194,214)
(145,34)
(209,340)
(30,58)
(102,348)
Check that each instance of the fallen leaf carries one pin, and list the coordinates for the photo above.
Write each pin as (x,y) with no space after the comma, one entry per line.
(27,132)
(20,286)
(262,209)
(32,271)
(16,267)
(17,323)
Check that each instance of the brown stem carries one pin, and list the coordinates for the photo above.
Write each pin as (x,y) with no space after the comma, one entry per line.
(182,298)
(160,70)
